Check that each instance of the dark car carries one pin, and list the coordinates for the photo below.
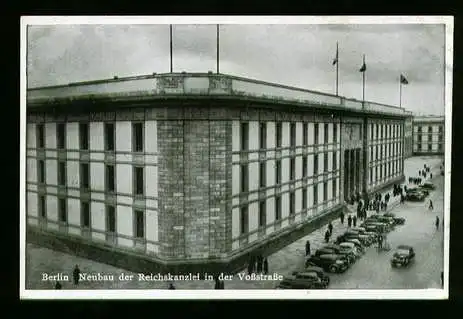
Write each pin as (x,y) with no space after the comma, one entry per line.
(376,226)
(365,239)
(302,280)
(320,272)
(330,262)
(350,255)
(428,186)
(417,190)
(397,220)
(402,256)
(415,197)
(358,244)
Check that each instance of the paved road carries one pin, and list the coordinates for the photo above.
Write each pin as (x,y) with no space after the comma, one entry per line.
(371,271)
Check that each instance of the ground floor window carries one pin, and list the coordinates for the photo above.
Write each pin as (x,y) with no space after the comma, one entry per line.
(110,219)
(62,210)
(85,214)
(244,220)
(42,207)
(277,207)
(262,213)
(139,224)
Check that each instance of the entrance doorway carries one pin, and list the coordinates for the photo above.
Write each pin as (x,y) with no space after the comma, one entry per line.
(352,167)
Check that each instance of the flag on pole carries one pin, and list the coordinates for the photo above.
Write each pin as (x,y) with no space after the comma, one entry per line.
(335,60)
(403,80)
(364,67)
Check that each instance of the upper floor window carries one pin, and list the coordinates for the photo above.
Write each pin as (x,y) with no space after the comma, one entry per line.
(263,135)
(279,133)
(109,136)
(325,133)
(40,128)
(315,133)
(304,134)
(139,180)
(83,136)
(137,131)
(61,136)
(244,178)
(335,132)
(293,134)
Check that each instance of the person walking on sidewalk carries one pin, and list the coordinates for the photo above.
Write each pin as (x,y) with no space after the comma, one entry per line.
(58,285)
(327,236)
(307,248)
(76,275)
(341,216)
(431,207)
(349,221)
(265,266)
(437,222)
(354,221)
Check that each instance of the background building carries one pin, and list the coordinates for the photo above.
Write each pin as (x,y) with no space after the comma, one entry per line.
(197,171)
(428,135)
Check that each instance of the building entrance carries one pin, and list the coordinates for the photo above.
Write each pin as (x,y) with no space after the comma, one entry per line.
(352,164)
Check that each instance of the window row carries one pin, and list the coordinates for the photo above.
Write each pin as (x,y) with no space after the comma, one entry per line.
(385,131)
(85,216)
(262,207)
(384,170)
(440,137)
(84,136)
(244,170)
(244,134)
(84,175)
(440,147)
(419,129)
(380,151)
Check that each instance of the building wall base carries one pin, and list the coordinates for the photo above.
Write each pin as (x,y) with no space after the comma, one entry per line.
(140,263)
(428,153)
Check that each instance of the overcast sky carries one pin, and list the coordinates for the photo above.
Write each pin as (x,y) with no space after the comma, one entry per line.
(296,55)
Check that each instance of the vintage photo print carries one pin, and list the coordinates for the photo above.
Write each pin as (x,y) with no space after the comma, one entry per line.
(235,157)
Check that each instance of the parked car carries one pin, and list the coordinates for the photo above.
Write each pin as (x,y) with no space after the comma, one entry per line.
(364,239)
(330,262)
(397,220)
(415,197)
(302,280)
(402,256)
(358,245)
(387,220)
(415,190)
(376,226)
(351,248)
(320,272)
(428,186)
(337,249)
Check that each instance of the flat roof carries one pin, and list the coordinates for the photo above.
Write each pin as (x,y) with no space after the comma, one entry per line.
(428,118)
(184,85)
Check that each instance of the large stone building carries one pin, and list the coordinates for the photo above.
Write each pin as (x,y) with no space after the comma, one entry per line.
(428,135)
(182,172)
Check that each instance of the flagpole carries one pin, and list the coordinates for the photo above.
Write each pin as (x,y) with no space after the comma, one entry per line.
(363,86)
(171,50)
(400,92)
(218,54)
(337,68)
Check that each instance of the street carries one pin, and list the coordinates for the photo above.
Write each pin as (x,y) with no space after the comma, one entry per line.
(372,271)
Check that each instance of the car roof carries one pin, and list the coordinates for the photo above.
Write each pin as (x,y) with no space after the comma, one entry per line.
(404,247)
(314,268)
(329,256)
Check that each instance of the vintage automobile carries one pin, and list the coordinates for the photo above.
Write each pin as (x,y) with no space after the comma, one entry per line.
(376,226)
(337,249)
(402,256)
(427,186)
(415,190)
(397,220)
(365,239)
(302,280)
(330,262)
(320,272)
(415,197)
(360,248)
(350,248)
(386,220)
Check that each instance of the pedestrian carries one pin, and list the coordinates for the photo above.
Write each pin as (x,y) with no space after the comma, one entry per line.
(431,207)
(402,198)
(265,266)
(430,175)
(58,285)
(349,221)
(437,222)
(76,275)
(217,282)
(171,286)
(385,206)
(307,248)
(419,173)
(250,266)
(354,221)
(330,228)
(327,236)
(380,242)
(260,260)
(341,216)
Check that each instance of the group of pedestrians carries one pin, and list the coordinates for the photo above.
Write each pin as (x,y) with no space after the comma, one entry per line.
(258,264)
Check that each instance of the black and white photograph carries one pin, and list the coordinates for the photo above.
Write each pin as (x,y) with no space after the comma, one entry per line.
(273,157)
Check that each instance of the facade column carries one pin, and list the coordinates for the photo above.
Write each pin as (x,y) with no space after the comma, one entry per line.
(352,171)
(365,154)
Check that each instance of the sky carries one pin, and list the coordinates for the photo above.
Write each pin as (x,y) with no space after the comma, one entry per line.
(296,55)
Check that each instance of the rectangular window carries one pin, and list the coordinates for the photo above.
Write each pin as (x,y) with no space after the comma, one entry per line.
(315,164)
(263,135)
(244,220)
(278,172)
(377,131)
(304,199)
(335,132)
(429,147)
(85,215)
(439,146)
(382,127)
(277,207)
(335,161)
(139,180)
(376,173)
(84,175)
(109,136)
(40,131)
(62,210)
(139,224)
(335,188)
(304,166)
(292,168)
(315,194)
(429,129)
(262,213)
(61,136)
(263,174)
(110,178)
(279,134)
(42,206)
(305,140)
(371,153)
(292,134)
(244,178)
(381,171)
(137,137)
(292,203)
(441,129)
(315,133)
(419,146)
(419,129)
(325,162)
(371,131)
(325,133)
(440,137)
(83,136)
(41,171)
(62,173)
(325,191)
(110,219)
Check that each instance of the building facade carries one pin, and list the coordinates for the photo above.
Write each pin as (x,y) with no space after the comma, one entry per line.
(428,135)
(408,137)
(183,169)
